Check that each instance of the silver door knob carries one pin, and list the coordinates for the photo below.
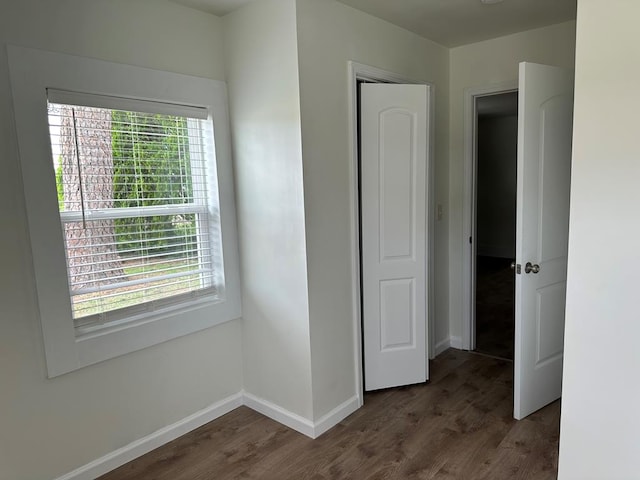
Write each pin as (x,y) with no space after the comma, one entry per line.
(531,268)
(512,266)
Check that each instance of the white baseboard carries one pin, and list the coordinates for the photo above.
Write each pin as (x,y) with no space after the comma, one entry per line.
(450,342)
(335,416)
(456,342)
(135,449)
(442,346)
(298,423)
(279,414)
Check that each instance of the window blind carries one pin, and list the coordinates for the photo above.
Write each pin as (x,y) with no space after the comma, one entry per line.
(137,210)
(65,97)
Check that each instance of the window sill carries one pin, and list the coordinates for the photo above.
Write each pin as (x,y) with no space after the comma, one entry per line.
(109,341)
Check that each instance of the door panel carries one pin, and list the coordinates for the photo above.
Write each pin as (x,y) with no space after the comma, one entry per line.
(397,319)
(394,220)
(550,331)
(397,168)
(555,176)
(544,169)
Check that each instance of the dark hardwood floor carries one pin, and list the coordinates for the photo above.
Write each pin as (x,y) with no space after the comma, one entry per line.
(495,306)
(459,426)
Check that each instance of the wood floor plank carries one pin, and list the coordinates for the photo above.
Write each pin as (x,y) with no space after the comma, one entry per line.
(524,454)
(459,426)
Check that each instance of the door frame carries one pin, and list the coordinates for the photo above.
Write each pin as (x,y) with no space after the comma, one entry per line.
(357,72)
(469,204)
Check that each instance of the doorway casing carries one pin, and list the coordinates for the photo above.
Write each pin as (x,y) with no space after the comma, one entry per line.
(360,72)
(469,237)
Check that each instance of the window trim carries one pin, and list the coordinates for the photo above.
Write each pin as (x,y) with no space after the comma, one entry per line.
(32,72)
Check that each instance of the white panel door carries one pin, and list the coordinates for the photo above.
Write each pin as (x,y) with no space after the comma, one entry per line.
(545,120)
(393,172)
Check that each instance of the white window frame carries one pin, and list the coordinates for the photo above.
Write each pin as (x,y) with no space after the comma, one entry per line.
(205,205)
(32,72)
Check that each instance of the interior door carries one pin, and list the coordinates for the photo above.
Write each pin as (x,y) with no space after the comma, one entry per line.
(393,170)
(545,116)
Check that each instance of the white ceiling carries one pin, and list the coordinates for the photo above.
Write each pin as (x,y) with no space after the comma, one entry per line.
(458,22)
(448,22)
(216,7)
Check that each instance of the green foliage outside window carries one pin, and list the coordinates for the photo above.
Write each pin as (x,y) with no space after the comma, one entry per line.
(151,167)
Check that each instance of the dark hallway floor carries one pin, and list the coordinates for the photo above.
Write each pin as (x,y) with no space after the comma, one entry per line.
(495,301)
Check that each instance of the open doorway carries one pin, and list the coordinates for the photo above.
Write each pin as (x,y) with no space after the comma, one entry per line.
(543,164)
(496,158)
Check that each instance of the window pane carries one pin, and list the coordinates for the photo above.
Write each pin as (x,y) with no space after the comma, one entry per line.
(133,201)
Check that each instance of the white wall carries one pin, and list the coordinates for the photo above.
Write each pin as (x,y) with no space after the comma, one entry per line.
(601,393)
(479,65)
(289,115)
(50,427)
(496,186)
(329,35)
(262,74)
